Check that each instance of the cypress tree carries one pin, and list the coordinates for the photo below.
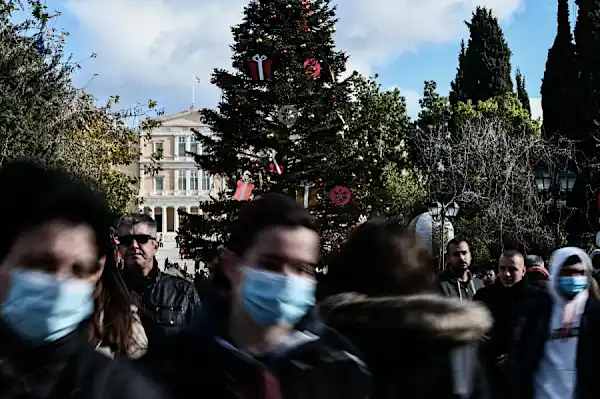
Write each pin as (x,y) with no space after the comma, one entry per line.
(559,83)
(522,91)
(456,93)
(486,69)
(587,48)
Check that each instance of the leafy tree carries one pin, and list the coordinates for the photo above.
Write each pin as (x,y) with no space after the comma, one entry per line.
(484,67)
(559,85)
(507,108)
(43,116)
(522,92)
(435,108)
(587,48)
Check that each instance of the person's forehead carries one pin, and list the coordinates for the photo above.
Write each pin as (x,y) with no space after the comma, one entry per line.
(461,247)
(576,266)
(512,260)
(135,229)
(58,240)
(298,244)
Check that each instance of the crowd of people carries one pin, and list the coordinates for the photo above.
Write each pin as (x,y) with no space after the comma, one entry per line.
(78,321)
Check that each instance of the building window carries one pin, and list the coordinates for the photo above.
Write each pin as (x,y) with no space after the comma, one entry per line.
(194,179)
(205,181)
(193,144)
(181,146)
(159,182)
(158,147)
(182,181)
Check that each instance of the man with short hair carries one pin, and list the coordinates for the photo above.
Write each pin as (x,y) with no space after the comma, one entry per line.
(262,337)
(169,303)
(457,281)
(504,300)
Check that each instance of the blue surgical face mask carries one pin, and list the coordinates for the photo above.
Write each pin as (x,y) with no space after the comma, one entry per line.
(272,298)
(570,286)
(41,308)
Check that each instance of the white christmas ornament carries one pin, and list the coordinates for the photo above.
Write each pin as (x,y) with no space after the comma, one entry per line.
(424,227)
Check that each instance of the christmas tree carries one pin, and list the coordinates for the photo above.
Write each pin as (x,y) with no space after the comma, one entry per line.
(284,124)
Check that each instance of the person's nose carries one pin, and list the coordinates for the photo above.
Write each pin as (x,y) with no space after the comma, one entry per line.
(134,244)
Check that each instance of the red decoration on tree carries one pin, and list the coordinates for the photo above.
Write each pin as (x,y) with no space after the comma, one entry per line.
(340,195)
(218,84)
(276,168)
(312,67)
(307,29)
(243,190)
(254,166)
(260,68)
(318,180)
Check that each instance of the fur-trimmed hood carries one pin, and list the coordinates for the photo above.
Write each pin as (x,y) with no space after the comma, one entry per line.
(406,320)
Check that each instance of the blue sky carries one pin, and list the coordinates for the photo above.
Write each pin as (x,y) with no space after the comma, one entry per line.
(152,48)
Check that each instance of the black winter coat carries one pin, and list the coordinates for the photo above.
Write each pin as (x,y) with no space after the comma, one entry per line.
(68,368)
(314,363)
(167,306)
(417,347)
(505,304)
(531,334)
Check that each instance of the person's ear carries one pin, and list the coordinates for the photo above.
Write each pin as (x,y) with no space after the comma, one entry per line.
(229,264)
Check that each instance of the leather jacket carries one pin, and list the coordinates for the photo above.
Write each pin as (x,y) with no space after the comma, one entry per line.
(168,305)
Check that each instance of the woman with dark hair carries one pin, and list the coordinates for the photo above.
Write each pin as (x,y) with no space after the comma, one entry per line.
(115,328)
(418,344)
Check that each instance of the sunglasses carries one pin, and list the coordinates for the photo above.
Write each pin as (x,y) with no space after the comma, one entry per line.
(139,238)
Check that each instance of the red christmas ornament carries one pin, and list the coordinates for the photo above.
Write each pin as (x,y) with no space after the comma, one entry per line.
(307,29)
(245,146)
(260,68)
(212,172)
(318,180)
(241,102)
(276,168)
(273,16)
(340,195)
(284,51)
(312,67)
(218,84)
(255,166)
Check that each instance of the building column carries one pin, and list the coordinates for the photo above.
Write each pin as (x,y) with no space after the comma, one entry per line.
(175,180)
(188,179)
(152,215)
(164,219)
(176,218)
(188,209)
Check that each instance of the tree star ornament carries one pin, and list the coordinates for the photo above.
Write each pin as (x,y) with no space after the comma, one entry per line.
(260,68)
(312,67)
(288,114)
(340,195)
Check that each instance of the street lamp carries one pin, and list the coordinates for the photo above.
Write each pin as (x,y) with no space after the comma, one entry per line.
(567,180)
(543,180)
(555,184)
(443,211)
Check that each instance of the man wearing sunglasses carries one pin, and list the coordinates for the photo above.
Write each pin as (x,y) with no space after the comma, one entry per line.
(169,302)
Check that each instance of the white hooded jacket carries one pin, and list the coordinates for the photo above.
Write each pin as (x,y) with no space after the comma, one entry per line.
(556,375)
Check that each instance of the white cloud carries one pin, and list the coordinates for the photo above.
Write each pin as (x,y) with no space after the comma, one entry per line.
(152,47)
(536,107)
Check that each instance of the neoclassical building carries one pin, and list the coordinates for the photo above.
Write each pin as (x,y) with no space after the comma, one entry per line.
(180,184)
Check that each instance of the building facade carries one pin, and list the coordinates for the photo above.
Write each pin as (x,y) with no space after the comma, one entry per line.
(179,184)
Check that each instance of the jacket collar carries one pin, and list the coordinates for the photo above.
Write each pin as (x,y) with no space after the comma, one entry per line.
(136,281)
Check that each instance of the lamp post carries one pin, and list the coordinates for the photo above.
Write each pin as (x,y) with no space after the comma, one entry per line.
(443,211)
(555,184)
